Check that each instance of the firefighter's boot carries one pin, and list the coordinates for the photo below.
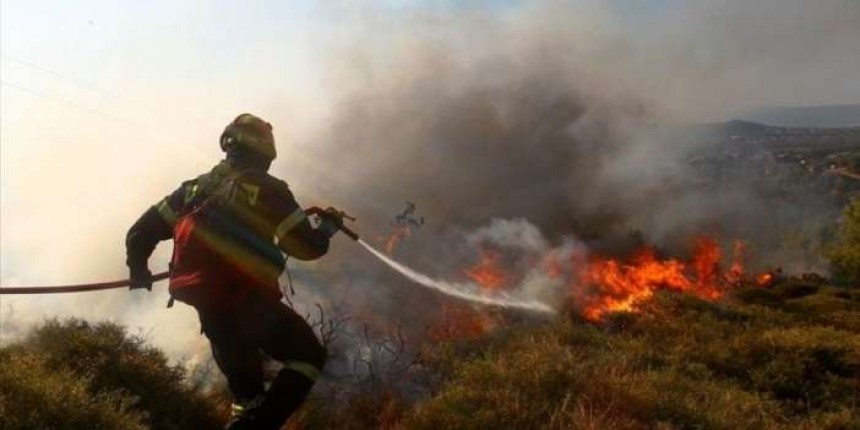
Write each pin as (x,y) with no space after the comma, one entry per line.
(243,414)
(285,395)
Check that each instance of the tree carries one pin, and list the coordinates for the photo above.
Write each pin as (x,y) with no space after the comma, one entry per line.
(845,253)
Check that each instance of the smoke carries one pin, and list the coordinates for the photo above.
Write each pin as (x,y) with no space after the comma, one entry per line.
(560,112)
(556,113)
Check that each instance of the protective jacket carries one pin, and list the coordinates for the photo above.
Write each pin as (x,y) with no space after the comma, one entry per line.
(229,229)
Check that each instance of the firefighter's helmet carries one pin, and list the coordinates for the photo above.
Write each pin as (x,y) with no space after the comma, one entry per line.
(249,132)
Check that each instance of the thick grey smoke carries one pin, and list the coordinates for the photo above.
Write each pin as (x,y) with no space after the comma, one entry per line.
(557,112)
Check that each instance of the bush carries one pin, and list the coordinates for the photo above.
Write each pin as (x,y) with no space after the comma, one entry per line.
(34,395)
(762,361)
(784,357)
(112,366)
(845,254)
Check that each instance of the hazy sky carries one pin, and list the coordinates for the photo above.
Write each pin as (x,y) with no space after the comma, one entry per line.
(101,99)
(105,106)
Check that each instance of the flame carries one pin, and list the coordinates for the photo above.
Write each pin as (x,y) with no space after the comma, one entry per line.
(553,265)
(601,285)
(706,262)
(610,285)
(487,273)
(614,286)
(764,279)
(466,321)
(397,235)
(735,274)
(462,322)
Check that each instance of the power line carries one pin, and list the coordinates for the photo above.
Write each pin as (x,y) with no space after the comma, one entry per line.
(88,86)
(70,104)
(59,75)
(64,102)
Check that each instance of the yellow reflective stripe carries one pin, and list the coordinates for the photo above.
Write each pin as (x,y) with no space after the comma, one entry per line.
(239,409)
(252,191)
(166,212)
(307,369)
(190,192)
(289,223)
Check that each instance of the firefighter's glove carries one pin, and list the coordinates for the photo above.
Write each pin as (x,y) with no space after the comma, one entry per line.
(140,277)
(329,224)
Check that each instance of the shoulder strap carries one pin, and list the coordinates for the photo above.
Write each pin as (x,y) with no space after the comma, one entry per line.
(219,183)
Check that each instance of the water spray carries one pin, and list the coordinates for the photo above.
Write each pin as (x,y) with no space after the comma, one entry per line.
(464,291)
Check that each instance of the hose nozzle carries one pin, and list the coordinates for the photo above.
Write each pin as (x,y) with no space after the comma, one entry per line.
(337,216)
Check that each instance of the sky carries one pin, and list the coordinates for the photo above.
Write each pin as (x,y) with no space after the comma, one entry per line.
(105,106)
(128,89)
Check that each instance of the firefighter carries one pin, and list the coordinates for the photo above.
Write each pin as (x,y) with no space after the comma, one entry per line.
(229,227)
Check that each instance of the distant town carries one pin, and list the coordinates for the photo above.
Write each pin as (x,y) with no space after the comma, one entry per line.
(781,159)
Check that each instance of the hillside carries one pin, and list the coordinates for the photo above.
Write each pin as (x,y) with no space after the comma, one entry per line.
(847,115)
(750,133)
(787,356)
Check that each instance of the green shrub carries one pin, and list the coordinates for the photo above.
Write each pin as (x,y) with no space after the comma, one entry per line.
(35,395)
(107,361)
(845,254)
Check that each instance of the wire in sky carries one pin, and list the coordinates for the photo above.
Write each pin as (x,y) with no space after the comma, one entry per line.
(64,102)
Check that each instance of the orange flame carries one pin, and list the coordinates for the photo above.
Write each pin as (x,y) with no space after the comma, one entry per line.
(392,240)
(487,273)
(465,321)
(614,286)
(611,285)
(462,322)
(553,268)
(736,270)
(601,285)
(764,279)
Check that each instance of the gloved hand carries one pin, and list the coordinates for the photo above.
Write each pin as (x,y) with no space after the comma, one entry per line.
(140,277)
(329,223)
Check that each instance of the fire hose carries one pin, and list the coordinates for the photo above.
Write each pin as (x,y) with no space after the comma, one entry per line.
(78,288)
(337,215)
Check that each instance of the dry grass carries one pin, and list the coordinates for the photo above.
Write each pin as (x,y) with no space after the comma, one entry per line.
(793,362)
(786,357)
(74,374)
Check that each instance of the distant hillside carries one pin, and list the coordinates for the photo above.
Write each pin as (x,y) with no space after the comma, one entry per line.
(808,116)
(753,133)
(746,129)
